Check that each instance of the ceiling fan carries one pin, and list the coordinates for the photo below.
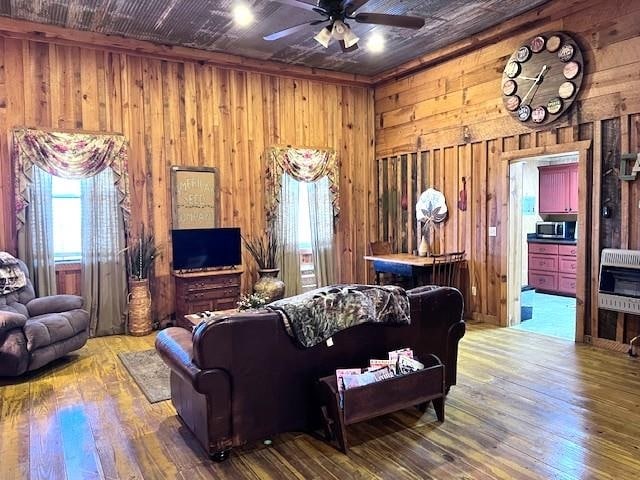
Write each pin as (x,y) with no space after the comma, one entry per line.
(336,13)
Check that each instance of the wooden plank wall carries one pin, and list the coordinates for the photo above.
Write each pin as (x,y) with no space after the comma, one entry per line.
(188,113)
(454,111)
(398,182)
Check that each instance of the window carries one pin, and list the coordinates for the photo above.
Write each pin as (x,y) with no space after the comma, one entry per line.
(304,240)
(66,207)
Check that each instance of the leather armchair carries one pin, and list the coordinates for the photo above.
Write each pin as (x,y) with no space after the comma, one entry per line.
(35,331)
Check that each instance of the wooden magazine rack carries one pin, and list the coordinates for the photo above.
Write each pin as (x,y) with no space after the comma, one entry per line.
(380,398)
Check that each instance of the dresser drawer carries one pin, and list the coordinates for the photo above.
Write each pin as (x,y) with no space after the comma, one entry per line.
(567,283)
(226,304)
(210,283)
(567,265)
(543,280)
(550,248)
(568,250)
(547,263)
(231,292)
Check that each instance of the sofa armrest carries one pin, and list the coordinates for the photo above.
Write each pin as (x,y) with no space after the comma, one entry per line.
(54,304)
(11,320)
(439,312)
(175,347)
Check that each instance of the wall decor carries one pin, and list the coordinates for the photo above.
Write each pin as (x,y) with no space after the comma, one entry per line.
(195,197)
(431,208)
(542,78)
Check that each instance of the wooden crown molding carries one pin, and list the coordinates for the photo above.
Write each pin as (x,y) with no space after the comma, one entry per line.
(38,32)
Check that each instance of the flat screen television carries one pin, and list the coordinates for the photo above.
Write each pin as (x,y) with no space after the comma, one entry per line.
(206,248)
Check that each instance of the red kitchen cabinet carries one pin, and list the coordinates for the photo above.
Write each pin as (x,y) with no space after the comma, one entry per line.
(553,267)
(558,188)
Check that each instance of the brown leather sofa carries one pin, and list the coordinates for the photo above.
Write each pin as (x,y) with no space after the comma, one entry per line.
(243,378)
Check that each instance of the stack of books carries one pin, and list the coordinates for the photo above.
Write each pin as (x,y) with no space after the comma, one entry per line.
(400,362)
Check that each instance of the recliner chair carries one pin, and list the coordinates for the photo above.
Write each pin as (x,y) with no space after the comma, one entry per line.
(35,331)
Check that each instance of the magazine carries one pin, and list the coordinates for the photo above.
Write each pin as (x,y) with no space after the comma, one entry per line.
(408,365)
(400,362)
(374,364)
(358,380)
(342,372)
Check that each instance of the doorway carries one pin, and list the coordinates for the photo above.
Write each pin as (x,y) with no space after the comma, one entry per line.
(512,230)
(543,218)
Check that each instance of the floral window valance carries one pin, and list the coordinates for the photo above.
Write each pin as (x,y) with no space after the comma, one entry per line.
(304,165)
(68,155)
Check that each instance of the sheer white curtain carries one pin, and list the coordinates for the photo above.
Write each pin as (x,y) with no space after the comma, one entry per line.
(287,225)
(35,240)
(104,281)
(322,233)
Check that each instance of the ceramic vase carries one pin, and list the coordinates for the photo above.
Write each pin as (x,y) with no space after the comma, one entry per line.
(423,249)
(269,284)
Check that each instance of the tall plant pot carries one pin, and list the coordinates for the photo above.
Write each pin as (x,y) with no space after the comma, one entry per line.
(139,300)
(269,285)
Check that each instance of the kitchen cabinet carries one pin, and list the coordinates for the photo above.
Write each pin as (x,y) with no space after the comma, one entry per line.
(552,267)
(558,188)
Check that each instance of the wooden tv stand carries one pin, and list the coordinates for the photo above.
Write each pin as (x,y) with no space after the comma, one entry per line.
(206,290)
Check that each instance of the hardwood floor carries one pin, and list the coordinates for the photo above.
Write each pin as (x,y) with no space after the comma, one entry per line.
(526,406)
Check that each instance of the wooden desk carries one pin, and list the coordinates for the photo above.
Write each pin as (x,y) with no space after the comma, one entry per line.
(405,259)
(405,264)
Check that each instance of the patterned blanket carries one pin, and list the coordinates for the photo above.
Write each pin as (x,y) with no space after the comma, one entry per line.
(313,317)
(11,277)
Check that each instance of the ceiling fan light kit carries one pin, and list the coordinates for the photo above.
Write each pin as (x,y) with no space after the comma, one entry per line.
(324,37)
(336,13)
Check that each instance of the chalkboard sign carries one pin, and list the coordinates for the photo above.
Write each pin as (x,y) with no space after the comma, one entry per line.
(195,195)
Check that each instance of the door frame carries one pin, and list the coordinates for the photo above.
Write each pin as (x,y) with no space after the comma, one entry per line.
(585,186)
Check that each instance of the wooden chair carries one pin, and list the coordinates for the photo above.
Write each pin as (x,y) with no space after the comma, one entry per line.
(379,248)
(446,269)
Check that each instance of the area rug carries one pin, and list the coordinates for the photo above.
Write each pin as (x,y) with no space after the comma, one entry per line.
(149,372)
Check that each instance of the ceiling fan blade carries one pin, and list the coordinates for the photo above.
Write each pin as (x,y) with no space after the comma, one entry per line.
(351,6)
(288,31)
(403,21)
(300,4)
(352,48)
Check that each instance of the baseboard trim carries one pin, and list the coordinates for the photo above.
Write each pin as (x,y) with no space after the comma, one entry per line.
(607,344)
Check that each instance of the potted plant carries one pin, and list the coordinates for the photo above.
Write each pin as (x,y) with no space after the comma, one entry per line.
(141,254)
(264,250)
(252,302)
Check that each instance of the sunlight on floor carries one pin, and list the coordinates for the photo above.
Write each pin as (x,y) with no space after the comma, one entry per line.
(553,315)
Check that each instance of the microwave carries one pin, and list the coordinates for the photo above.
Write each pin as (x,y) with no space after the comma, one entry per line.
(561,230)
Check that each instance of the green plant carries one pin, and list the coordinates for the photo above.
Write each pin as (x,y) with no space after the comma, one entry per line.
(255,300)
(141,253)
(264,249)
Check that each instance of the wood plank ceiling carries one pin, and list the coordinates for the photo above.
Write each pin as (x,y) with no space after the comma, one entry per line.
(208,25)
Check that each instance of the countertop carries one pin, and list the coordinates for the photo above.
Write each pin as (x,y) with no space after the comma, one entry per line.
(531,238)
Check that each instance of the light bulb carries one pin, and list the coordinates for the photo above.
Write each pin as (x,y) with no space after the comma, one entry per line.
(242,15)
(375,43)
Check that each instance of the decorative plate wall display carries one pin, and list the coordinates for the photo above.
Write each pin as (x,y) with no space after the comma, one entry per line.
(542,78)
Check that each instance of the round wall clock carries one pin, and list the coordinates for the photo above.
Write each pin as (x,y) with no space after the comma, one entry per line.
(542,78)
